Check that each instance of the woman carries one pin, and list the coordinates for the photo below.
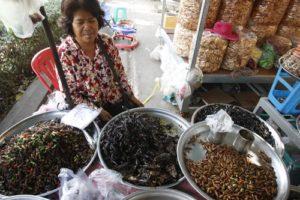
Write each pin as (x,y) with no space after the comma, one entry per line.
(85,56)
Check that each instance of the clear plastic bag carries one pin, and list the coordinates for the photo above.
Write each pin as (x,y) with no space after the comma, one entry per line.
(76,187)
(263,31)
(212,50)
(183,40)
(280,44)
(188,15)
(292,16)
(238,53)
(20,15)
(212,14)
(219,124)
(56,101)
(236,12)
(292,32)
(269,12)
(109,184)
(174,68)
(189,11)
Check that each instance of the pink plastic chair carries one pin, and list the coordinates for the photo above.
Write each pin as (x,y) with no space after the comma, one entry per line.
(43,65)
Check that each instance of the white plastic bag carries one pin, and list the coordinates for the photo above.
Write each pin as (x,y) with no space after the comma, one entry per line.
(174,68)
(109,184)
(219,124)
(80,116)
(80,187)
(15,15)
(56,101)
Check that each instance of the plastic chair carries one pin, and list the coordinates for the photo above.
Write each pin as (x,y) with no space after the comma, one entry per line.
(120,14)
(43,65)
(285,93)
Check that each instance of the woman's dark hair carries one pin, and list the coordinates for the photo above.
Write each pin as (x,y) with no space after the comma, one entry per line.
(69,7)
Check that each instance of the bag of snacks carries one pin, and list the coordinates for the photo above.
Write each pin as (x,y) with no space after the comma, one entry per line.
(212,50)
(291,61)
(182,40)
(269,12)
(236,12)
(292,16)
(212,13)
(280,44)
(188,15)
(238,52)
(189,11)
(292,32)
(263,31)
(268,57)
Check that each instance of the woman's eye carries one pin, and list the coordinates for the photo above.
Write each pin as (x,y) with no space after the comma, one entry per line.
(92,21)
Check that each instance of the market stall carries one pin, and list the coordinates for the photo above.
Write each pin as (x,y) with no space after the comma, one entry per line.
(226,151)
(234,60)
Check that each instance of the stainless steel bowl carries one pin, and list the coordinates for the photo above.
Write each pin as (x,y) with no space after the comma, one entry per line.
(278,146)
(166,194)
(24,197)
(32,120)
(201,129)
(177,121)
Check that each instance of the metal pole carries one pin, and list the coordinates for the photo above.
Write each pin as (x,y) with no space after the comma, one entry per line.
(200,29)
(56,57)
(163,14)
(183,104)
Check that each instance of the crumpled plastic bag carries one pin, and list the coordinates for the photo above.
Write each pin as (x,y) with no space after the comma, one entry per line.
(101,184)
(109,184)
(56,102)
(174,68)
(80,187)
(20,15)
(219,124)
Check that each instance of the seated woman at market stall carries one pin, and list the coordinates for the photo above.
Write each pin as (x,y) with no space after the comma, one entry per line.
(91,62)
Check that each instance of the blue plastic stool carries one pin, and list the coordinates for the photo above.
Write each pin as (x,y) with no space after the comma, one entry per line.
(285,93)
(119,14)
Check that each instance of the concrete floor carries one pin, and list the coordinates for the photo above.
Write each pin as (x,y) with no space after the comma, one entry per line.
(141,69)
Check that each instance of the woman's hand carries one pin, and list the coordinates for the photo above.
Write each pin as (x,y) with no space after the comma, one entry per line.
(104,115)
(136,101)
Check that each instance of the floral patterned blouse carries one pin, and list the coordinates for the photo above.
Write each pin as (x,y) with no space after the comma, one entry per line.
(91,80)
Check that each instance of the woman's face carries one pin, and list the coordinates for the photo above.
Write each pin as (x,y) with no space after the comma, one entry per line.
(85,27)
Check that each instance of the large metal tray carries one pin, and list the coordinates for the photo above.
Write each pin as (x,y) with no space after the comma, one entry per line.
(165,194)
(201,129)
(32,120)
(279,146)
(163,114)
(23,197)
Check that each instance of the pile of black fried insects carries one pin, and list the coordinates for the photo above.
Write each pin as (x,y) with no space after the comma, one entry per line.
(240,117)
(137,146)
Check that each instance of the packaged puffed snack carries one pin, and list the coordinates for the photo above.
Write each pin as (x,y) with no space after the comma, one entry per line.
(188,15)
(182,40)
(269,12)
(189,11)
(263,31)
(238,52)
(212,50)
(292,16)
(280,44)
(292,32)
(236,12)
